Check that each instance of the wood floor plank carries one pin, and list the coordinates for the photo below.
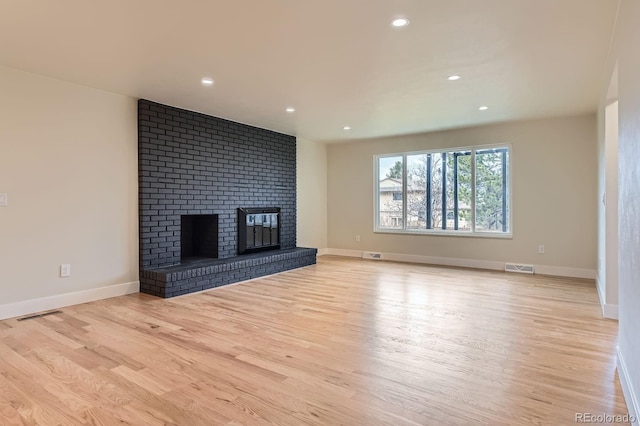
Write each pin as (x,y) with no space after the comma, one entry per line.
(346,341)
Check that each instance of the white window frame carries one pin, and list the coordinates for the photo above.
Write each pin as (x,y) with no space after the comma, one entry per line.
(442,232)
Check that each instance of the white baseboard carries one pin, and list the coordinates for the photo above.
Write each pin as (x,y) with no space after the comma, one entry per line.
(562,271)
(608,310)
(469,263)
(603,300)
(31,306)
(345,253)
(446,261)
(630,396)
(323,251)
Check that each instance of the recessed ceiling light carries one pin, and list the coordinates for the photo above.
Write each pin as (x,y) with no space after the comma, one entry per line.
(291,109)
(483,108)
(206,81)
(453,77)
(346,128)
(400,22)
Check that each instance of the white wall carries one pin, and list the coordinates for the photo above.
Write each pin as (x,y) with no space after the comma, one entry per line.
(625,53)
(68,161)
(311,163)
(554,194)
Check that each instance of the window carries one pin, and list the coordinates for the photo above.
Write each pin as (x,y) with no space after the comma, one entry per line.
(464,191)
(390,190)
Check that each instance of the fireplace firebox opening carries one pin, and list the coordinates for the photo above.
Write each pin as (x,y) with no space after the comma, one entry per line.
(198,236)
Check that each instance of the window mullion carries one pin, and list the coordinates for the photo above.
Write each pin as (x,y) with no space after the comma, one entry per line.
(428,190)
(473,190)
(376,191)
(455,191)
(404,192)
(504,190)
(444,190)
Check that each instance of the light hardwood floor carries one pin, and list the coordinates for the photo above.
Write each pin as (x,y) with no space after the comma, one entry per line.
(345,342)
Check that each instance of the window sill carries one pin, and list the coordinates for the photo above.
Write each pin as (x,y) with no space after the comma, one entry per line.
(495,235)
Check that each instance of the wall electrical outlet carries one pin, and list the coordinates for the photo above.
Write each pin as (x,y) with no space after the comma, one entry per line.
(65,270)
(357,238)
(4,200)
(541,249)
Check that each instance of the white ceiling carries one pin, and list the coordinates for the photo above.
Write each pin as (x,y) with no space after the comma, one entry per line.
(338,62)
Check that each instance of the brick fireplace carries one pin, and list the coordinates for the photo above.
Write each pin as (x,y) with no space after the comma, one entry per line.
(195,172)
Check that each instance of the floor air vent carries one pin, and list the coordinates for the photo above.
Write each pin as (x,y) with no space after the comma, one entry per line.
(371,255)
(522,269)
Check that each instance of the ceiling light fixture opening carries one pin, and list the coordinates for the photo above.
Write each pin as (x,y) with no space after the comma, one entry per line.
(400,22)
(483,108)
(206,81)
(346,128)
(291,109)
(453,77)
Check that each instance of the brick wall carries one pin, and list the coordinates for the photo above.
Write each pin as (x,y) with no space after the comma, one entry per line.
(191,163)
